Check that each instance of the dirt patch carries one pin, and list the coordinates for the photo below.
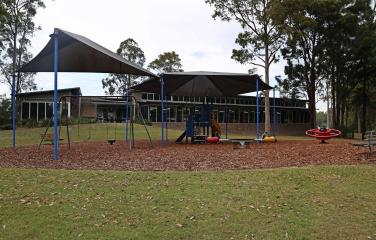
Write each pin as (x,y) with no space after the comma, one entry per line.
(100,155)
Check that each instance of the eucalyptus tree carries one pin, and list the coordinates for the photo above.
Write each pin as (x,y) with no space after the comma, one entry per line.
(119,83)
(261,38)
(167,62)
(17,28)
(304,49)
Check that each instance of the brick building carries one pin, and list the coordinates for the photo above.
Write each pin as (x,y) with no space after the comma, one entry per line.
(292,116)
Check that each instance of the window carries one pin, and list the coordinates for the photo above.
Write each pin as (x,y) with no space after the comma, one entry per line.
(25,110)
(49,110)
(179,114)
(41,111)
(33,111)
(252,117)
(244,116)
(221,117)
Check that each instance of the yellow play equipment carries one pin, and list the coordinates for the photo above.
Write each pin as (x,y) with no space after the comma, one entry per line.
(268,138)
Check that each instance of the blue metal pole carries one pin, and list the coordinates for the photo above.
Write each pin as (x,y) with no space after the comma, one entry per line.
(162,106)
(14,109)
(274,112)
(126,115)
(56,65)
(257,110)
(167,116)
(226,117)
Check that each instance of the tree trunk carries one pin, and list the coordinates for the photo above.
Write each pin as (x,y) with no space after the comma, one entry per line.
(266,93)
(334,96)
(328,111)
(312,97)
(364,109)
(359,125)
(312,110)
(337,107)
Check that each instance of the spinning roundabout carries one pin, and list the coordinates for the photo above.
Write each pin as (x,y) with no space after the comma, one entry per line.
(323,134)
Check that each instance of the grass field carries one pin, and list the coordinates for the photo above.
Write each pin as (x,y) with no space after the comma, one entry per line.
(98,132)
(333,202)
(86,132)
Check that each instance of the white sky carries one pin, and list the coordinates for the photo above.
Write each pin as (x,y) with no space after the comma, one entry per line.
(183,26)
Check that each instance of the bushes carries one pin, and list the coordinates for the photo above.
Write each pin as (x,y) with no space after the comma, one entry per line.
(5,111)
(32,123)
(6,127)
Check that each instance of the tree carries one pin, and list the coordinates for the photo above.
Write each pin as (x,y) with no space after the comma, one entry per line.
(18,27)
(261,40)
(364,61)
(331,42)
(304,48)
(167,62)
(119,83)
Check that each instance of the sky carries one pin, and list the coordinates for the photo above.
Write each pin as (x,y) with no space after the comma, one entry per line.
(183,26)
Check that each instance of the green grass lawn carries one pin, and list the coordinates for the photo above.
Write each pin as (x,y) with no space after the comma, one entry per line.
(86,132)
(98,132)
(332,202)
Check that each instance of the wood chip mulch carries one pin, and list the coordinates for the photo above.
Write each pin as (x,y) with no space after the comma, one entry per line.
(101,155)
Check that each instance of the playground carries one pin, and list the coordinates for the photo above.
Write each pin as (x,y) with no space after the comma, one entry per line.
(201,181)
(186,157)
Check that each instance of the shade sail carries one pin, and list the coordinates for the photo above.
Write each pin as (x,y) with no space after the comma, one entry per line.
(80,54)
(202,84)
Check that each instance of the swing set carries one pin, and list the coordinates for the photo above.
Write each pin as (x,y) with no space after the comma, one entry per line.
(129,119)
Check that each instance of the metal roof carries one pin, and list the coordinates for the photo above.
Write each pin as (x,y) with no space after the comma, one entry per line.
(204,84)
(79,54)
(49,91)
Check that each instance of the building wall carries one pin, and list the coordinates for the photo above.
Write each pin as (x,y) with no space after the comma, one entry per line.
(88,109)
(47,98)
(292,116)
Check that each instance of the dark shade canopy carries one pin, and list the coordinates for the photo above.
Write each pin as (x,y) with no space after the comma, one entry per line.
(202,84)
(80,54)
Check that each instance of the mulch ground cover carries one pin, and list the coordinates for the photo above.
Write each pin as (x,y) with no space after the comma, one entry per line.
(101,155)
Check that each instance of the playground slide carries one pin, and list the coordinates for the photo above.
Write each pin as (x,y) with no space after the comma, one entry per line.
(182,136)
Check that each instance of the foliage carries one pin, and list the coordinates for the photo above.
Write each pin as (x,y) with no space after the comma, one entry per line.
(321,119)
(304,49)
(33,123)
(119,83)
(331,202)
(18,27)
(167,62)
(330,43)
(5,111)
(261,39)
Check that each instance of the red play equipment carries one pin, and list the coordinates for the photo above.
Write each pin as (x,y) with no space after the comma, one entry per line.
(323,134)
(212,139)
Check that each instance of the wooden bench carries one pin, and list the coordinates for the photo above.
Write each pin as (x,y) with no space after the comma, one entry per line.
(368,142)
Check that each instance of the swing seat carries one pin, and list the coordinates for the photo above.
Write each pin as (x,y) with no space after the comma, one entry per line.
(112,141)
(49,138)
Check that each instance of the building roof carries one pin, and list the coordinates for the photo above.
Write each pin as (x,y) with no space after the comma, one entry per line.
(79,54)
(203,84)
(50,91)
